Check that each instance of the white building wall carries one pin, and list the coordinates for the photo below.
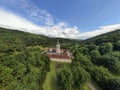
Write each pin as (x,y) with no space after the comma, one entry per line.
(61,60)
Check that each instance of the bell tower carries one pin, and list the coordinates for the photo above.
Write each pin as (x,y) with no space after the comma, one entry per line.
(58,47)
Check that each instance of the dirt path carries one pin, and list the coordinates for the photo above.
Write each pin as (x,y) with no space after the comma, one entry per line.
(91,86)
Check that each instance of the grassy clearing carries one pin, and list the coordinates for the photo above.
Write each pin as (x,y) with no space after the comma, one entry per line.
(50,82)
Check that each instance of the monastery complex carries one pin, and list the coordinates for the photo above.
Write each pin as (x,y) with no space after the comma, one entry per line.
(58,54)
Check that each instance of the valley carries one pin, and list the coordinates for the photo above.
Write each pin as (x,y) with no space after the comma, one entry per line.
(95,63)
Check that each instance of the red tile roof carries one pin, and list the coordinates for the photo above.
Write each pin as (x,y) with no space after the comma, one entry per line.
(61,56)
(64,54)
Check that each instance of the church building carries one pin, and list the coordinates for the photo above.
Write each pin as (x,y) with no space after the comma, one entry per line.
(59,55)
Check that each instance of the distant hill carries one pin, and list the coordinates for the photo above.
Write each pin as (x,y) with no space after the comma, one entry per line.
(112,37)
(14,40)
(31,39)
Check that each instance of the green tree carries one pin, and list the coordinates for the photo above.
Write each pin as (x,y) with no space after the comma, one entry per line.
(5,75)
(111,62)
(117,45)
(102,76)
(105,48)
(80,76)
(114,84)
(65,79)
(95,54)
(92,47)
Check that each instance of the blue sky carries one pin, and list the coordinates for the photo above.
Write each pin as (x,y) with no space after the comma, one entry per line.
(63,18)
(85,14)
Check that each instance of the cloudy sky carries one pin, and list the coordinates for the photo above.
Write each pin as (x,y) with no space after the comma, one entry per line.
(78,19)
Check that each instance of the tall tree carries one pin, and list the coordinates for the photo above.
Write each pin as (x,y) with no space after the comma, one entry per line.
(65,79)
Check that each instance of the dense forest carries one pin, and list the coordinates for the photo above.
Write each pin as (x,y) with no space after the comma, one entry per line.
(24,70)
(23,66)
(13,40)
(112,37)
(97,58)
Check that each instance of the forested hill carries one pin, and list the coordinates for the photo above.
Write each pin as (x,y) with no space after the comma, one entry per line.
(22,64)
(16,40)
(31,39)
(112,37)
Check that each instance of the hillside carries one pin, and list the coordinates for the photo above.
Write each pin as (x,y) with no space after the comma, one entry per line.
(23,66)
(14,40)
(30,39)
(112,37)
(100,56)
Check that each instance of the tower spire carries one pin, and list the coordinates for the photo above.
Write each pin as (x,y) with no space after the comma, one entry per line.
(58,47)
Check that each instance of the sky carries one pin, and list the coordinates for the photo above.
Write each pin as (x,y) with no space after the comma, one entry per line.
(76,19)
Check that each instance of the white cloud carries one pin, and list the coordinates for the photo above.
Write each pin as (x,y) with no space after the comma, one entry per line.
(62,30)
(28,9)
(36,13)
(12,21)
(9,20)
(101,30)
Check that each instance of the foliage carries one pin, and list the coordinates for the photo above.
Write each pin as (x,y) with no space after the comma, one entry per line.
(117,45)
(110,62)
(112,37)
(100,63)
(114,84)
(80,76)
(65,79)
(24,70)
(105,48)
(95,54)
(24,67)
